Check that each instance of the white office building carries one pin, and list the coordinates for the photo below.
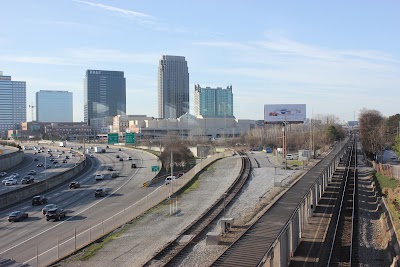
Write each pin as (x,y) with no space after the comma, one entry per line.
(54,106)
(12,103)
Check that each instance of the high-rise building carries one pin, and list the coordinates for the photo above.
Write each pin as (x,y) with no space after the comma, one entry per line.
(105,94)
(213,102)
(12,103)
(173,87)
(54,106)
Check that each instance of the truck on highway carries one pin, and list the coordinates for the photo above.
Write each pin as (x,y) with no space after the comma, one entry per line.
(63,144)
(98,149)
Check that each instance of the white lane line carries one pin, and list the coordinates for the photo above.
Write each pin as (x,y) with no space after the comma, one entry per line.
(22,232)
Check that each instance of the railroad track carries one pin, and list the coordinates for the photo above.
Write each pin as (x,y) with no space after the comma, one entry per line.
(343,237)
(175,251)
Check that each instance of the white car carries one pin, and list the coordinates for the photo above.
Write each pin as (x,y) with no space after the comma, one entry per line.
(57,165)
(169,179)
(289,156)
(15,175)
(99,176)
(11,181)
(2,174)
(6,179)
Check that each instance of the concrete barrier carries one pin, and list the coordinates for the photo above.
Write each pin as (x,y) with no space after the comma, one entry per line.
(29,191)
(10,160)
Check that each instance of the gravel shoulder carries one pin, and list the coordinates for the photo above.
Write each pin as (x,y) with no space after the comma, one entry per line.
(150,232)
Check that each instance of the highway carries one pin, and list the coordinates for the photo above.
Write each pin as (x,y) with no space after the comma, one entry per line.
(29,163)
(39,242)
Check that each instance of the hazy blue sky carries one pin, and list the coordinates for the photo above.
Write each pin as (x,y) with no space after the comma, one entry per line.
(335,56)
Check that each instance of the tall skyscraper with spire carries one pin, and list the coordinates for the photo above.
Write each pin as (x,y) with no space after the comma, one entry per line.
(173,87)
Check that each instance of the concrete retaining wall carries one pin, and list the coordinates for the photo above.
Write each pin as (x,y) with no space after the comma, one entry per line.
(393,241)
(10,160)
(29,191)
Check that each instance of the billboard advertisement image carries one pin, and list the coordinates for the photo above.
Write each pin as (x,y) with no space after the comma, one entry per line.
(277,113)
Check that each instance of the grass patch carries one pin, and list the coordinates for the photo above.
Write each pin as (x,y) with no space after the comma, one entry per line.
(386,182)
(92,249)
(192,186)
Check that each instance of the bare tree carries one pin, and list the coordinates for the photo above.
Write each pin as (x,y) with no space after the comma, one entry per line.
(372,130)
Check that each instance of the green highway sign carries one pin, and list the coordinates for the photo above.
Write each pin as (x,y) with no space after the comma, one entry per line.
(130,138)
(155,168)
(113,138)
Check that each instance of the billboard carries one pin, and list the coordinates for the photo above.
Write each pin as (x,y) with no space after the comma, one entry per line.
(278,113)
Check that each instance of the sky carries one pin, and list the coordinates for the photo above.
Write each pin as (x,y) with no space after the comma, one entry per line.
(336,57)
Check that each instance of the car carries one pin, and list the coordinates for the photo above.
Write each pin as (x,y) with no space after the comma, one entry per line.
(48,207)
(110,169)
(117,156)
(121,159)
(119,149)
(66,157)
(6,179)
(99,176)
(32,172)
(57,165)
(180,174)
(2,174)
(39,200)
(51,159)
(289,157)
(55,214)
(27,180)
(48,166)
(11,181)
(35,159)
(169,179)
(114,174)
(74,185)
(91,155)
(64,161)
(17,216)
(15,175)
(393,158)
(100,192)
(129,158)
(39,165)
(55,161)
(133,166)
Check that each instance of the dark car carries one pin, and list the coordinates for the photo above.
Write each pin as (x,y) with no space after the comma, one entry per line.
(119,149)
(48,166)
(48,207)
(117,156)
(17,216)
(35,159)
(55,162)
(32,172)
(110,169)
(74,185)
(121,159)
(133,166)
(55,214)
(27,180)
(39,200)
(100,192)
(114,174)
(39,165)
(64,161)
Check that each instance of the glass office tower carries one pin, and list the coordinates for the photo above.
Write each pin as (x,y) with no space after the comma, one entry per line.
(213,102)
(12,103)
(104,94)
(173,87)
(54,106)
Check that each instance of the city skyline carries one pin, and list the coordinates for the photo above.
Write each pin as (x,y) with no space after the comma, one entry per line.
(325,55)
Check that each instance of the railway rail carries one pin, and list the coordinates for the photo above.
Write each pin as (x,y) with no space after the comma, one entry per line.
(343,238)
(176,250)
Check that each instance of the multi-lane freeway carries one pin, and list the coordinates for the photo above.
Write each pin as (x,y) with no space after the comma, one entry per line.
(39,242)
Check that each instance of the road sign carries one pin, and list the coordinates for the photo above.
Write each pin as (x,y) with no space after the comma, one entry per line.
(113,138)
(155,168)
(130,138)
